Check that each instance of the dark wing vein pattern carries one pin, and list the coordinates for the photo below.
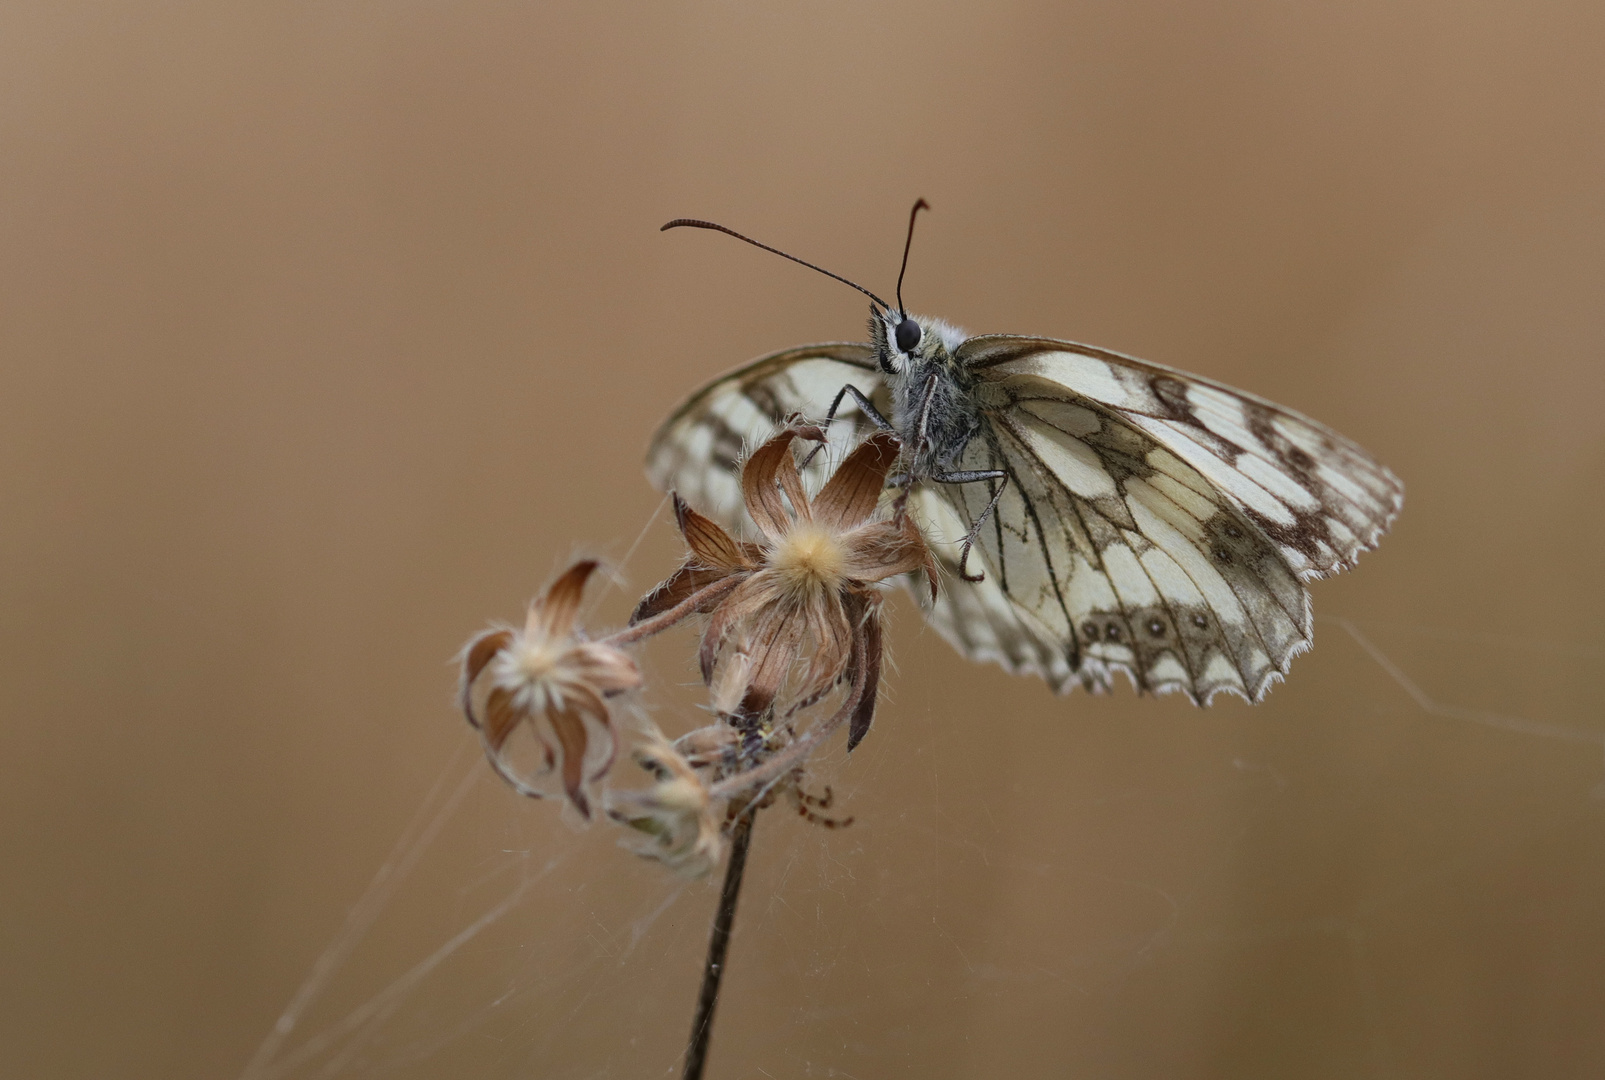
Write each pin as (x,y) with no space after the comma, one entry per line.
(1153,523)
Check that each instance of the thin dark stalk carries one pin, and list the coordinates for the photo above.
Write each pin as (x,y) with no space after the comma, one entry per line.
(696,1053)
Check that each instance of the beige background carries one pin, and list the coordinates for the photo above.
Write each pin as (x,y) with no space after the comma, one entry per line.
(330,329)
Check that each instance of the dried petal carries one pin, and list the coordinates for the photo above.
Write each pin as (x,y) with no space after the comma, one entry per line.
(767,465)
(748,599)
(570,731)
(603,667)
(730,685)
(573,746)
(791,484)
(758,490)
(774,643)
(884,549)
(710,544)
(556,610)
(850,496)
(479,652)
(676,588)
(832,635)
(601,741)
(870,658)
(501,717)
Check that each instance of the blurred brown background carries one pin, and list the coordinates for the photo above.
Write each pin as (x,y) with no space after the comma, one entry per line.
(331,329)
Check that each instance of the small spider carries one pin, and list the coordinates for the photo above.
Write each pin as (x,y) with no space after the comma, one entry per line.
(807,805)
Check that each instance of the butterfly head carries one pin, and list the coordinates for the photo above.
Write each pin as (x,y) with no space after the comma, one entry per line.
(905,342)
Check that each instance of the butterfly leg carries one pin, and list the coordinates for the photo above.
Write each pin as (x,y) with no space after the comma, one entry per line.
(870,412)
(973,476)
(921,431)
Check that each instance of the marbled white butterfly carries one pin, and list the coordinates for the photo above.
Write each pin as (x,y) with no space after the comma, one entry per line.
(1127,516)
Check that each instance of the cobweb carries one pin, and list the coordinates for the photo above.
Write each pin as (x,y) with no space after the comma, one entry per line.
(495,940)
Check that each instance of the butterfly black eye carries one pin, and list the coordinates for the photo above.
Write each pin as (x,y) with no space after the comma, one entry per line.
(908,335)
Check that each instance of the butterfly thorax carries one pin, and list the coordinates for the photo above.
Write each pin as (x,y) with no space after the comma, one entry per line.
(933,405)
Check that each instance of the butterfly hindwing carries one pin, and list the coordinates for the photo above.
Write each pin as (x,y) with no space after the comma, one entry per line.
(1119,565)
(979,619)
(698,450)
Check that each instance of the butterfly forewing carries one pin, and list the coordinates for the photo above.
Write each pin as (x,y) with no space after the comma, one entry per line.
(1320,498)
(698,450)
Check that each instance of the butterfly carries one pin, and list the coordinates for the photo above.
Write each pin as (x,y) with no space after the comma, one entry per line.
(1094,513)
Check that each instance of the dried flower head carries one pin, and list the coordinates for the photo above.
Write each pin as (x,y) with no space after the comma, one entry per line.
(673,821)
(805,591)
(548,684)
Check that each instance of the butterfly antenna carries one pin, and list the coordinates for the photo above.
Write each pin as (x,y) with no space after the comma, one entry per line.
(696,224)
(919,204)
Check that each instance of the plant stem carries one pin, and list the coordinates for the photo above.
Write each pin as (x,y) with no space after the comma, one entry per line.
(798,751)
(696,1053)
(684,609)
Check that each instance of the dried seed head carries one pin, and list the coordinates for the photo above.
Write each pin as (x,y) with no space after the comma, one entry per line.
(537,697)
(802,596)
(673,821)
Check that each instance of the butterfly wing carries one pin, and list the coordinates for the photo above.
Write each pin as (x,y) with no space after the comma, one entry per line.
(1153,522)
(698,450)
(1321,498)
(981,619)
